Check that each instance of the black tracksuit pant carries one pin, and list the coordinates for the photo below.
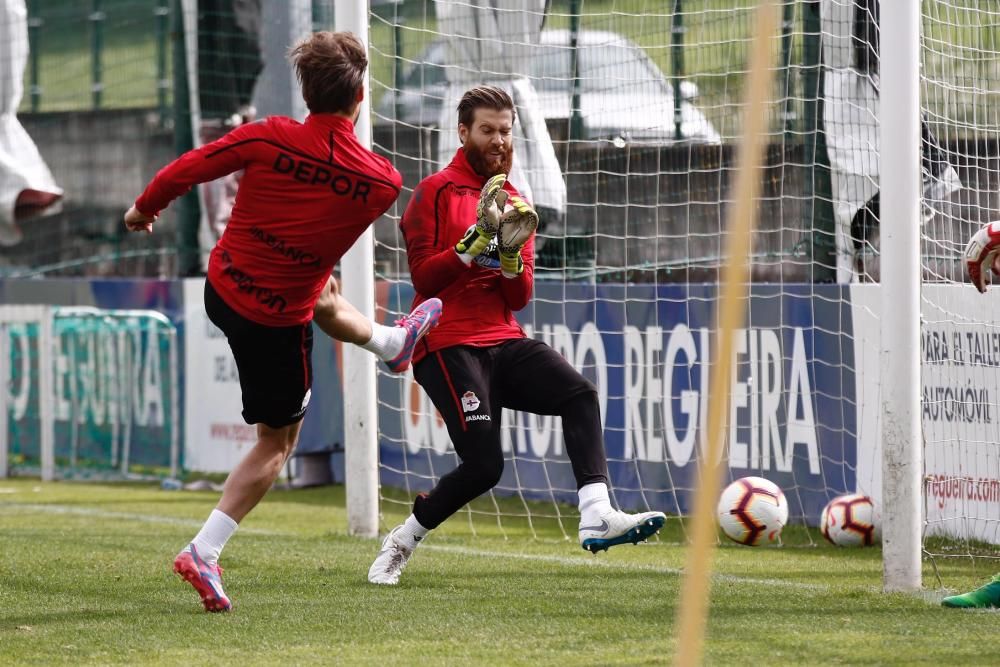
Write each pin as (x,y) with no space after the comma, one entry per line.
(470,386)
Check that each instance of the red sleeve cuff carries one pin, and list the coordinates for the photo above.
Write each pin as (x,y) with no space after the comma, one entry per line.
(143,208)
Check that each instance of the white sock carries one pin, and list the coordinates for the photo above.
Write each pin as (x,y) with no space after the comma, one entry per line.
(213,536)
(594,501)
(386,342)
(411,533)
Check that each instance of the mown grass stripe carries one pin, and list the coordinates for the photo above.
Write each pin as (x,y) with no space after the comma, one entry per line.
(566,561)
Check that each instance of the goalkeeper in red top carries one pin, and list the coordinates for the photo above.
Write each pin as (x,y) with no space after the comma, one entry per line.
(470,242)
(982,255)
(308,192)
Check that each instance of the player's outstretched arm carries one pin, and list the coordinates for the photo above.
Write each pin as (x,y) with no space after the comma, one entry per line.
(982,252)
(137,221)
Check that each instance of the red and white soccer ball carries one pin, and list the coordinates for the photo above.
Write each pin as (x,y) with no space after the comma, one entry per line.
(752,511)
(850,521)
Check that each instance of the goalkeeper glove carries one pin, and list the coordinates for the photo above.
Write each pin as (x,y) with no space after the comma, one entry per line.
(491,201)
(516,227)
(981,252)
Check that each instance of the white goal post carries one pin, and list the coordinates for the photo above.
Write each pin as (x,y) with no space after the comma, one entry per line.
(902,444)
(360,400)
(852,347)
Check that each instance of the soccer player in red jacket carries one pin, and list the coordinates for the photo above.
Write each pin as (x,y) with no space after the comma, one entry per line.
(470,243)
(309,190)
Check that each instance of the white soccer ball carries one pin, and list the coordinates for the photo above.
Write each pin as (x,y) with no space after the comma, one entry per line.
(752,511)
(850,521)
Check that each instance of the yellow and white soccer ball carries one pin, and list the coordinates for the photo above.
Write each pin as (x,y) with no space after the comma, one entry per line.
(752,511)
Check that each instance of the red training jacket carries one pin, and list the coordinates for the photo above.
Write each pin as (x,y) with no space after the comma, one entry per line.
(309,190)
(477,301)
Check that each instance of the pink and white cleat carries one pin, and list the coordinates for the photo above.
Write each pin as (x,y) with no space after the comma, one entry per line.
(206,579)
(423,318)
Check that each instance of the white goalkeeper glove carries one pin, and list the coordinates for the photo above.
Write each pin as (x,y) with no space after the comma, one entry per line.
(983,251)
(478,237)
(516,227)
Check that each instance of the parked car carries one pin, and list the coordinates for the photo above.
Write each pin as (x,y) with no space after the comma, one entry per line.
(623,94)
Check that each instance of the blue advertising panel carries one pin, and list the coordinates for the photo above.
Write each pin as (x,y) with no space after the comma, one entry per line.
(649,350)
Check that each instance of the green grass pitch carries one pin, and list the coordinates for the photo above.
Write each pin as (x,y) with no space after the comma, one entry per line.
(85,578)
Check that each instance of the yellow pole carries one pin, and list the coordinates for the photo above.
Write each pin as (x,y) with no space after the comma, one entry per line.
(692,609)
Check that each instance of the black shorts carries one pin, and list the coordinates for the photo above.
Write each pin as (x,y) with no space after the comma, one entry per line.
(471,385)
(275,364)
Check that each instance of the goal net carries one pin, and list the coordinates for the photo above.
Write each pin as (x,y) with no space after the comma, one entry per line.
(642,146)
(87,393)
(961,340)
(628,120)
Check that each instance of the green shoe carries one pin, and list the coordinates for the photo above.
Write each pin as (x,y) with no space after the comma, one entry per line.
(987,595)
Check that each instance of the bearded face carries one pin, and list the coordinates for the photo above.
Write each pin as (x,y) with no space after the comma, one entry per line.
(488,163)
(488,142)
